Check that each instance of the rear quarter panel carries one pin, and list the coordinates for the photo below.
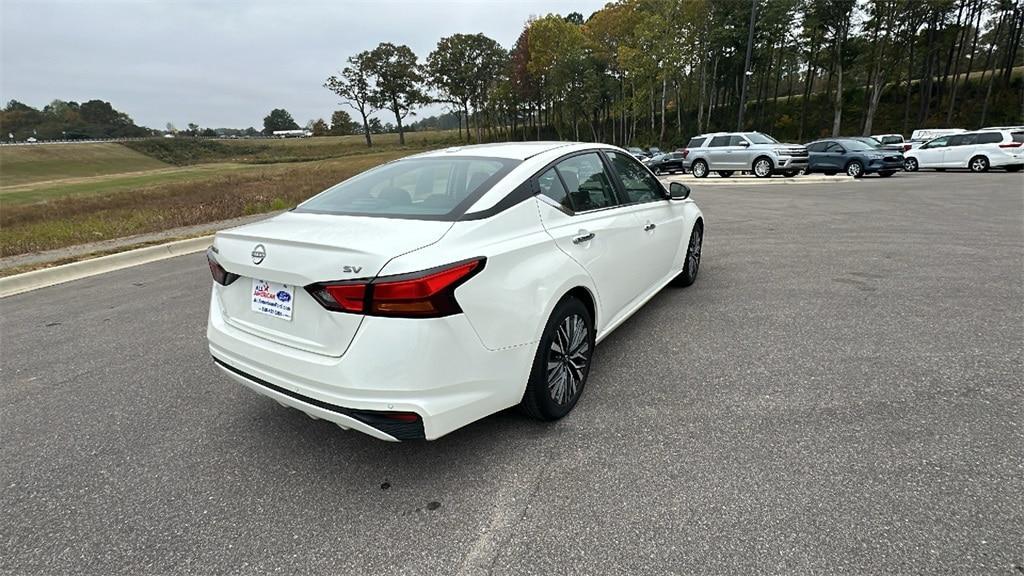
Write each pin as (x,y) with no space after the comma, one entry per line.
(526,274)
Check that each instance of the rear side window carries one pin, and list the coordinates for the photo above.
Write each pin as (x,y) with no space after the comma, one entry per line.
(696,142)
(588,183)
(551,186)
(718,141)
(989,138)
(638,183)
(431,188)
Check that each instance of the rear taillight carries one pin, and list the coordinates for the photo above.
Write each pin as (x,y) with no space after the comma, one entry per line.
(220,275)
(686,151)
(907,147)
(426,294)
(1011,145)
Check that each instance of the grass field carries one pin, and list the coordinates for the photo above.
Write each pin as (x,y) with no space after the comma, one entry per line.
(123,206)
(53,196)
(27,164)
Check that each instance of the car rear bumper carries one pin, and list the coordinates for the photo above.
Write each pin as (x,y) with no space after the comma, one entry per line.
(1006,159)
(436,368)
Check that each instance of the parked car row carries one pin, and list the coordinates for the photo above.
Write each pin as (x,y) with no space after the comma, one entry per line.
(726,153)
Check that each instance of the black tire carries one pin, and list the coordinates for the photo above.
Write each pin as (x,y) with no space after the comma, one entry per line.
(763,167)
(691,265)
(829,172)
(855,168)
(724,173)
(886,174)
(978,164)
(699,169)
(1014,168)
(911,165)
(546,399)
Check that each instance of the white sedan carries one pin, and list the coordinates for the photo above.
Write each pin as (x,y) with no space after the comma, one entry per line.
(424,294)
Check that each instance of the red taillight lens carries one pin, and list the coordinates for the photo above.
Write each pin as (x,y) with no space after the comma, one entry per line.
(343,297)
(426,294)
(220,275)
(686,152)
(1011,145)
(907,147)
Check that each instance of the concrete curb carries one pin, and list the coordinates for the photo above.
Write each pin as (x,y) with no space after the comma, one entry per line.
(752,180)
(36,279)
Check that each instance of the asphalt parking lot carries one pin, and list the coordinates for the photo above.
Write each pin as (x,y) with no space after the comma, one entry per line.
(840,392)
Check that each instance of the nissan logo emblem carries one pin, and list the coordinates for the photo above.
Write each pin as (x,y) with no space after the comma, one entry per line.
(258,254)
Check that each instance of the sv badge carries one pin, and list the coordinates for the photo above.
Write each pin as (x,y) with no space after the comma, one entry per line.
(351,269)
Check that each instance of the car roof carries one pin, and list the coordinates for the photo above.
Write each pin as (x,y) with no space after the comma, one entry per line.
(511,150)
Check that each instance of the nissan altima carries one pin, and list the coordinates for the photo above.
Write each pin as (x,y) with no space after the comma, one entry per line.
(429,292)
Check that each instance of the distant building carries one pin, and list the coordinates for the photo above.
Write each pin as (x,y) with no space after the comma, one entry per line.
(292,133)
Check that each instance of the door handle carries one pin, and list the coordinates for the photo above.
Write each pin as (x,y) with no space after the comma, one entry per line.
(650,226)
(586,237)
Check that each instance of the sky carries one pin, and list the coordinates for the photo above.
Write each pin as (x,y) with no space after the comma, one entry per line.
(226,63)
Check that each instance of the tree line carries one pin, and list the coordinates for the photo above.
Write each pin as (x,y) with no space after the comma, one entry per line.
(659,71)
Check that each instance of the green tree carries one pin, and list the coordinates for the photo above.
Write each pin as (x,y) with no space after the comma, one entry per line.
(320,128)
(342,124)
(354,86)
(278,119)
(397,82)
(462,68)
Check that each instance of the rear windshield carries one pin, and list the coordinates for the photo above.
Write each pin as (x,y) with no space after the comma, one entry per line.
(696,142)
(425,188)
(892,139)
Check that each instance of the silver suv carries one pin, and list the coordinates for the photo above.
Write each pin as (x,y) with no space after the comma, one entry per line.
(730,152)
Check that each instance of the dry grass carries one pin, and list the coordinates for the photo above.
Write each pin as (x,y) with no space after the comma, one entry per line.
(80,219)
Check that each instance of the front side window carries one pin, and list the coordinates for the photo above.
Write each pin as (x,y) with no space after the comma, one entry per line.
(551,186)
(736,141)
(432,188)
(936,143)
(638,183)
(719,141)
(834,147)
(589,185)
(816,146)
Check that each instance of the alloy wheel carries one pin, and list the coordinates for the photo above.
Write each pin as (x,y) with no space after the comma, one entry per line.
(699,169)
(854,169)
(567,359)
(693,262)
(979,164)
(762,168)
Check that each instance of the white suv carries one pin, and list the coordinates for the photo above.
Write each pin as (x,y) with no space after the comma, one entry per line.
(977,151)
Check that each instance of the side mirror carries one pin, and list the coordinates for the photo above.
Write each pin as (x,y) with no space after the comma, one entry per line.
(678,191)
(744,143)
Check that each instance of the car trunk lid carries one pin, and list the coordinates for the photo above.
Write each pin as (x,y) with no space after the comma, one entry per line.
(276,258)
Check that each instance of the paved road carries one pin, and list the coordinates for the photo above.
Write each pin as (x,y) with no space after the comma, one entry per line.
(840,392)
